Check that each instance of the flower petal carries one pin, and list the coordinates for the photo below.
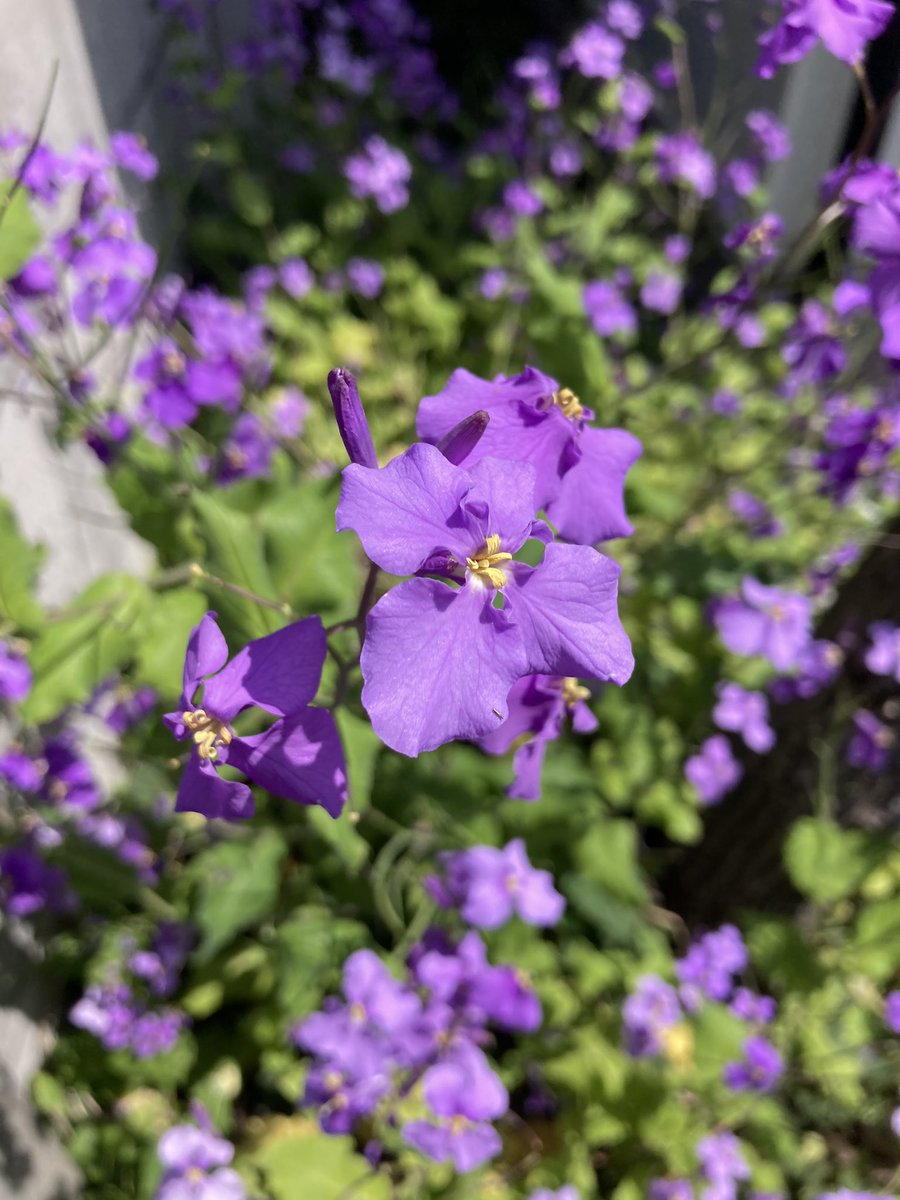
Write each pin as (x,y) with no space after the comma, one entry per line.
(279,672)
(203,790)
(206,652)
(590,504)
(299,758)
(566,612)
(402,513)
(438,664)
(507,488)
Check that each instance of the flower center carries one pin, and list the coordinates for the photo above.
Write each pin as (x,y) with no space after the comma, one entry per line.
(195,1174)
(568,403)
(358,1013)
(573,691)
(457,1125)
(209,733)
(484,562)
(333,1080)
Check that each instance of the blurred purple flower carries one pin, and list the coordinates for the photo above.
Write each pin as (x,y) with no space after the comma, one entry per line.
(714,771)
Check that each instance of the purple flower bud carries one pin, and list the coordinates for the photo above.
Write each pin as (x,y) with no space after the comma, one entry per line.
(351,418)
(458,444)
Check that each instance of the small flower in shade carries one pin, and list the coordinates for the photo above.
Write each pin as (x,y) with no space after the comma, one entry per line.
(760,1070)
(465,1093)
(607,309)
(564,1193)
(755,515)
(29,885)
(595,52)
(625,17)
(650,1010)
(670,1189)
(15,674)
(883,655)
(538,706)
(131,154)
(895,1122)
(493,283)
(522,199)
(892,1011)
(489,885)
(195,1166)
(661,292)
(580,469)
(722,1161)
(758,1010)
(439,660)
(714,771)
(296,277)
(771,135)
(298,757)
(871,744)
(746,713)
(844,26)
(681,159)
(381,171)
(765,621)
(710,965)
(365,277)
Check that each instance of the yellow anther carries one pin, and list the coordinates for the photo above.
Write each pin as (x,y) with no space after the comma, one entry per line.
(333,1080)
(458,1124)
(678,1046)
(573,691)
(209,733)
(569,404)
(173,361)
(512,884)
(484,562)
(357,1013)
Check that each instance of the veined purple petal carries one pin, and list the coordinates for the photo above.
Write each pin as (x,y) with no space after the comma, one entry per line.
(203,790)
(464,393)
(438,664)
(279,673)
(206,652)
(566,612)
(299,758)
(402,513)
(590,504)
(528,762)
(507,490)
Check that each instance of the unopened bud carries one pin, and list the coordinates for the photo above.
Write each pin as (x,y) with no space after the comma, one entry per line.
(462,439)
(351,418)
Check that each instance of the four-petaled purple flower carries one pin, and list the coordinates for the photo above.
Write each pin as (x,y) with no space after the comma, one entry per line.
(650,1010)
(760,1070)
(538,706)
(489,885)
(871,742)
(439,660)
(579,470)
(195,1166)
(714,771)
(298,757)
(765,621)
(746,713)
(845,27)
(466,1093)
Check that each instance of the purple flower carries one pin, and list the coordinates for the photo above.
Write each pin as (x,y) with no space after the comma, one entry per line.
(845,27)
(29,885)
(771,135)
(625,17)
(130,152)
(883,656)
(760,1070)
(298,757)
(438,660)
(522,199)
(580,470)
(681,159)
(746,713)
(765,621)
(758,1010)
(714,771)
(493,283)
(568,1192)
(892,1011)
(753,513)
(872,743)
(538,706)
(366,277)
(709,967)
(661,292)
(595,52)
(296,277)
(467,1094)
(381,171)
(489,885)
(721,1160)
(647,1013)
(195,1166)
(607,309)
(15,674)
(670,1189)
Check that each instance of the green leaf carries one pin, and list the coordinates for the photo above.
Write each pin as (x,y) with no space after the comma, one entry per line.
(827,863)
(361,747)
(79,650)
(309,950)
(237,886)
(607,855)
(19,562)
(163,633)
(20,234)
(250,198)
(296,1159)
(876,940)
(234,553)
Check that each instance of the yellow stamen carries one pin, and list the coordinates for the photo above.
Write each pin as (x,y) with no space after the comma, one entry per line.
(173,362)
(484,562)
(357,1013)
(573,691)
(333,1080)
(195,1174)
(209,733)
(457,1125)
(566,400)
